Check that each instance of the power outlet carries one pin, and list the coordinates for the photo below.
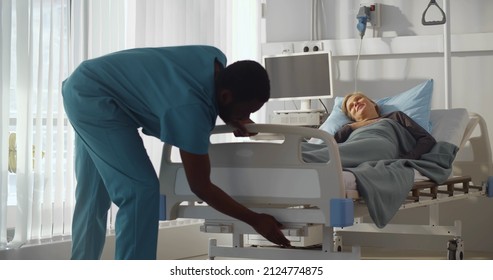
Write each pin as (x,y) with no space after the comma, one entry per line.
(312,46)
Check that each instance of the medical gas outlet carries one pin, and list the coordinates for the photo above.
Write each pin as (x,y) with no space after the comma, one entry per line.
(372,13)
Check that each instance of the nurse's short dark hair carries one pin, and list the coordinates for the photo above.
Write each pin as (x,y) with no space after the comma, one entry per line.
(247,80)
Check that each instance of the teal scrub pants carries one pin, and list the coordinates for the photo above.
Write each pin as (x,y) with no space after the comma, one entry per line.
(111,166)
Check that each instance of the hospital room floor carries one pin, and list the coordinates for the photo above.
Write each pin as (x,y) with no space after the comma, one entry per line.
(385,254)
(368,253)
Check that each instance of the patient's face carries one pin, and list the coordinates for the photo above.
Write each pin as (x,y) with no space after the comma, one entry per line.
(360,107)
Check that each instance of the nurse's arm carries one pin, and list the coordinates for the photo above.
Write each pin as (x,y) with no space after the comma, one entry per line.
(198,169)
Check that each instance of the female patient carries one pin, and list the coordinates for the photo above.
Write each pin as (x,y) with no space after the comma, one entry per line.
(373,137)
(365,112)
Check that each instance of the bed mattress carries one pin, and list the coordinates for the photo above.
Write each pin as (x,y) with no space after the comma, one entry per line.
(351,188)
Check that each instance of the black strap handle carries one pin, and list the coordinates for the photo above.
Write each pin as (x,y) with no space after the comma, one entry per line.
(442,21)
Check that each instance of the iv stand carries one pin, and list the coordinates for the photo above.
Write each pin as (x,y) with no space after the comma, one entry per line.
(447,60)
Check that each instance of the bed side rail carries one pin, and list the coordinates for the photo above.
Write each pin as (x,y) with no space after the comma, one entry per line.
(267,173)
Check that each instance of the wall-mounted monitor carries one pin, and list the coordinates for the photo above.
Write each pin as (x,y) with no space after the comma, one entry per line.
(300,76)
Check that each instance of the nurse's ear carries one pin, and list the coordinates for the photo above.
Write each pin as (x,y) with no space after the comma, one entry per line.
(225,97)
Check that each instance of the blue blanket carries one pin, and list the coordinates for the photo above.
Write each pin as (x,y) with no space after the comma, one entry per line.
(383,180)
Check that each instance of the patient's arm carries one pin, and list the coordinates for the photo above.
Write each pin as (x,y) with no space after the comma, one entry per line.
(197,169)
(343,134)
(424,140)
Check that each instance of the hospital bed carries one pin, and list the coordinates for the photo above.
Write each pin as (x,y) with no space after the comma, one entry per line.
(316,202)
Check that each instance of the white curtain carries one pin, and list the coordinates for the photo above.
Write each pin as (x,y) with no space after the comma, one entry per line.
(34,49)
(5,31)
(41,42)
(231,25)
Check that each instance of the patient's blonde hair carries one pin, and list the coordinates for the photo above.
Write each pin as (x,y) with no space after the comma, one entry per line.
(358,93)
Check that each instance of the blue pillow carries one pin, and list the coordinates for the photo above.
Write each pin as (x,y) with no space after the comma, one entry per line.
(415,102)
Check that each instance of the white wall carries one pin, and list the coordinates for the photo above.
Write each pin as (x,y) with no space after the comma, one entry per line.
(289,21)
(394,68)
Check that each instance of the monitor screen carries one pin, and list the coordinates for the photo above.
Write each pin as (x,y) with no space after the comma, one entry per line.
(300,75)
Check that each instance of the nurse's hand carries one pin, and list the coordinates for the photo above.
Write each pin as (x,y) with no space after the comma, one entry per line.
(270,228)
(241,130)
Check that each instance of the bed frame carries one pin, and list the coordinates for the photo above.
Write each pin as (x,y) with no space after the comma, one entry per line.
(271,177)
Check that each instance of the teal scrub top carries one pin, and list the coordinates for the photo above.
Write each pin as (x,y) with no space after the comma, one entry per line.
(168,91)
